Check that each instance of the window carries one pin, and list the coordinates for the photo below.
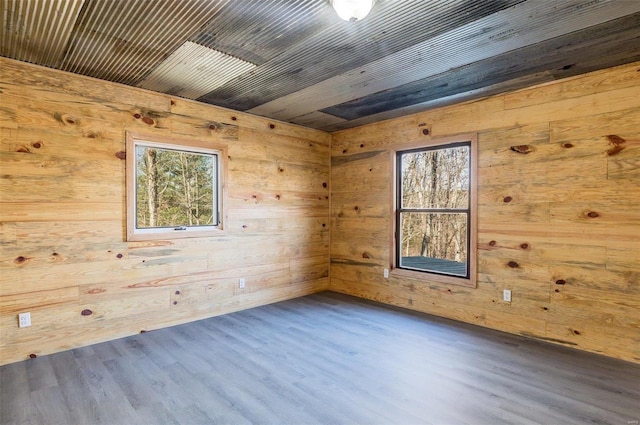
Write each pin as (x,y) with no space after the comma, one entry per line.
(174,188)
(435,212)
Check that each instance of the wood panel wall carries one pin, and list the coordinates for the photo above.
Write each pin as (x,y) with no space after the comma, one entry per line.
(63,255)
(559,221)
(571,227)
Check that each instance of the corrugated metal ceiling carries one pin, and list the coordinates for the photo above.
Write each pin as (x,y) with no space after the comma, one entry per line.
(296,60)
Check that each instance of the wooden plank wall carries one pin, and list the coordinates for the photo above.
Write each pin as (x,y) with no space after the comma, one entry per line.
(63,249)
(559,225)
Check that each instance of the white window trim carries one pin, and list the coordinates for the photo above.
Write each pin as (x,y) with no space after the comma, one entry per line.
(426,276)
(136,234)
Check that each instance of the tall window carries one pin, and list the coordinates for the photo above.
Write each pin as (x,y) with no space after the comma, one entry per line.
(173,190)
(435,217)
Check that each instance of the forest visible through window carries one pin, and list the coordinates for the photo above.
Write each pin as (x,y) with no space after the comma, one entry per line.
(434,210)
(175,188)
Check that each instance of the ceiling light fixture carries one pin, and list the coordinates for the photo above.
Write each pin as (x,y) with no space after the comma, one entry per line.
(352,10)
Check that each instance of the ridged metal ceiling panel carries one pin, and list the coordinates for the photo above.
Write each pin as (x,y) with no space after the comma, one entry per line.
(37,31)
(124,40)
(194,70)
(258,31)
(312,67)
(510,29)
(391,27)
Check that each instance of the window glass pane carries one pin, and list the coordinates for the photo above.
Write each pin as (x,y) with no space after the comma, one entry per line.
(434,242)
(436,178)
(175,188)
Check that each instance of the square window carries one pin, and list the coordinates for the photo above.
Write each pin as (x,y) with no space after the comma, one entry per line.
(174,189)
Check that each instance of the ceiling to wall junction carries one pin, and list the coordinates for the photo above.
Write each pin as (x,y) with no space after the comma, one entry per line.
(296,61)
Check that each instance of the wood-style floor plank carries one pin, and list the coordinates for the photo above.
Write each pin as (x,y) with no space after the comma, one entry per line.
(322,359)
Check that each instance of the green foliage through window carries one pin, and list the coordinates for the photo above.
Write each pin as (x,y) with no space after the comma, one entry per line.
(175,188)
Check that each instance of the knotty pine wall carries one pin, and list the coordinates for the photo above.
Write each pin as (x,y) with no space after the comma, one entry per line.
(63,249)
(559,225)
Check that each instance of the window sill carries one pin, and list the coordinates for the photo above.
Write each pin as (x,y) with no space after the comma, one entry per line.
(431,277)
(175,234)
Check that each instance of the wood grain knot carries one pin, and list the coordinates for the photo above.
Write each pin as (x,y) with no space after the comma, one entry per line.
(593,214)
(425,131)
(525,149)
(86,312)
(173,103)
(234,118)
(20,259)
(280,169)
(55,254)
(567,145)
(513,264)
(576,332)
(545,308)
(37,145)
(492,243)
(23,149)
(365,255)
(137,116)
(97,291)
(142,331)
(324,184)
(177,292)
(70,121)
(560,282)
(175,303)
(212,127)
(121,155)
(119,256)
(564,68)
(148,120)
(32,356)
(616,143)
(524,245)
(278,197)
(272,126)
(244,226)
(344,151)
(507,199)
(614,139)
(356,208)
(362,145)
(557,290)
(324,225)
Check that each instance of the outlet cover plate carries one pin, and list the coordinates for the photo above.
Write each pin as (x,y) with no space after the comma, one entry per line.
(24,320)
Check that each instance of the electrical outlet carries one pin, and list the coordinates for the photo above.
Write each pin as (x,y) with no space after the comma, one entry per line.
(386,273)
(24,320)
(241,282)
(506,295)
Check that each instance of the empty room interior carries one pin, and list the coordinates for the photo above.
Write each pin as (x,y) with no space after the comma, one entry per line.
(320,212)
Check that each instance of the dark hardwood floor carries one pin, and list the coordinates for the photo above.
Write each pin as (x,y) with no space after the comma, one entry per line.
(322,359)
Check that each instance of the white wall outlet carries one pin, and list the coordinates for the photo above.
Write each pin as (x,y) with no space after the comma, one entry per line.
(506,295)
(241,282)
(24,320)
(386,273)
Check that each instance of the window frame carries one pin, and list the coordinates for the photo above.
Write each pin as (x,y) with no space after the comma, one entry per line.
(472,231)
(133,233)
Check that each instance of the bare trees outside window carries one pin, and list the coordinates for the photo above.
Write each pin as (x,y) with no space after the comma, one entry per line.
(434,212)
(173,190)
